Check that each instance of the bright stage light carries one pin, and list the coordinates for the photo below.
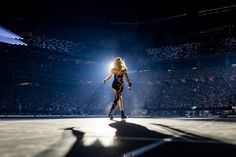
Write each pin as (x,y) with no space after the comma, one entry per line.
(6,33)
(10,38)
(11,41)
(111,65)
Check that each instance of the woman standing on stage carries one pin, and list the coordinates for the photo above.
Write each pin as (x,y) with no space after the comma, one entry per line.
(119,69)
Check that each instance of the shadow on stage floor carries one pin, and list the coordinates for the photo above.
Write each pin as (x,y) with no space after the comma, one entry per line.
(189,144)
(132,137)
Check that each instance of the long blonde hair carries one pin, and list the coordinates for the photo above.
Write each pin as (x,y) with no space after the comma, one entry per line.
(118,66)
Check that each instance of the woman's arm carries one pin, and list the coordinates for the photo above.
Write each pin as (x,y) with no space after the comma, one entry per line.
(108,76)
(127,78)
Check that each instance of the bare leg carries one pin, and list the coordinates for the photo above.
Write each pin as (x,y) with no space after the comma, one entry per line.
(114,104)
(121,106)
(118,99)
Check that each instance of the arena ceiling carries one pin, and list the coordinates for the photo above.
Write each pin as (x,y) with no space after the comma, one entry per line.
(118,10)
(63,16)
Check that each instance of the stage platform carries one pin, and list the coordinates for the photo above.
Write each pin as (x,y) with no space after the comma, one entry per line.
(101,137)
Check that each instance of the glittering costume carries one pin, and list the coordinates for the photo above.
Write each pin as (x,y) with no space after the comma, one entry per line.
(118,85)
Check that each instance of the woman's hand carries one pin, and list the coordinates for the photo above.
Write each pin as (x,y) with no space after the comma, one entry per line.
(129,86)
(103,81)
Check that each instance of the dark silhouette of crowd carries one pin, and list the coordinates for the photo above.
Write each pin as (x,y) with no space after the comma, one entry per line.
(38,81)
(206,89)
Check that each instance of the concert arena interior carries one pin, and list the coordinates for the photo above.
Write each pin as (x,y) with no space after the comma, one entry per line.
(56,100)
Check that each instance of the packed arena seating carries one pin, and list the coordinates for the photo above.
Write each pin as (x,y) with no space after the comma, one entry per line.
(46,79)
(52,44)
(191,50)
(206,88)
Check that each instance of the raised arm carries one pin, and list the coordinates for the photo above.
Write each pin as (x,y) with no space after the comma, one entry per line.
(108,76)
(127,78)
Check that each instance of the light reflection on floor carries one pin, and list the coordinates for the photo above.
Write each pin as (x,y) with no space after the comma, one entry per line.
(38,136)
(99,130)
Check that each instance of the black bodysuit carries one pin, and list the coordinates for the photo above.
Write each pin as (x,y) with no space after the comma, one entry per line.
(118,85)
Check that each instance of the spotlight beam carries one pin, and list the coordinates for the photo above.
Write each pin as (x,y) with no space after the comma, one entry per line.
(10,38)
(5,33)
(11,41)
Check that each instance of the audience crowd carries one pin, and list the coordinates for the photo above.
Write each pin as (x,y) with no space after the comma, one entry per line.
(192,50)
(56,85)
(204,89)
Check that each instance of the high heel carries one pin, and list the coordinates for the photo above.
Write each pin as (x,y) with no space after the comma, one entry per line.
(123,116)
(110,115)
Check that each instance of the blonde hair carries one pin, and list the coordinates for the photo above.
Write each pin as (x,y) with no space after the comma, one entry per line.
(119,66)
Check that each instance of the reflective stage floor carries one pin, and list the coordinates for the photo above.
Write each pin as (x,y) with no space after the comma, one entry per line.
(102,137)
